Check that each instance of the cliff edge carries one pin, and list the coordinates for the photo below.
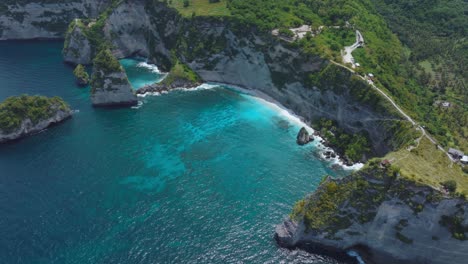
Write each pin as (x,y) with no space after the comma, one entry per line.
(109,82)
(382,215)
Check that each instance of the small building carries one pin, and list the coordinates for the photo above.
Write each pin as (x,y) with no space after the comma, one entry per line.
(370,76)
(464,159)
(446,104)
(455,153)
(357,64)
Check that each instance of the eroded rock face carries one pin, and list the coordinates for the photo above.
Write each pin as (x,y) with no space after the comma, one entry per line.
(28,127)
(44,20)
(303,137)
(248,59)
(109,83)
(115,90)
(393,219)
(77,49)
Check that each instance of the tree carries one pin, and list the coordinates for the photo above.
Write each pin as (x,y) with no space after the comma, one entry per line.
(186,3)
(450,185)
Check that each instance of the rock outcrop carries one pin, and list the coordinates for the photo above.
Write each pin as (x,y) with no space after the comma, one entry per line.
(245,57)
(382,215)
(109,82)
(44,19)
(77,48)
(26,115)
(303,137)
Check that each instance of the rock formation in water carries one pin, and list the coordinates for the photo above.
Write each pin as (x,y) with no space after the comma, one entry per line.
(25,115)
(248,58)
(81,76)
(303,137)
(385,217)
(109,82)
(77,48)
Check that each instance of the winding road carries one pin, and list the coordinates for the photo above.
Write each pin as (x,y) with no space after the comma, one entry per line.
(406,116)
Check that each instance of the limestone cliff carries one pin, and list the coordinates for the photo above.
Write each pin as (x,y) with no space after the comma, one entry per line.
(385,217)
(223,51)
(44,19)
(109,82)
(26,115)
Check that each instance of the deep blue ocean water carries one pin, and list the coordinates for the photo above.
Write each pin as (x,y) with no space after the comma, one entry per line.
(189,177)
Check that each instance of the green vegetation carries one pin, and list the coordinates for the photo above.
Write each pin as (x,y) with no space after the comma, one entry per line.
(104,64)
(181,72)
(14,110)
(353,146)
(200,7)
(403,238)
(450,185)
(427,164)
(324,209)
(82,77)
(437,59)
(455,224)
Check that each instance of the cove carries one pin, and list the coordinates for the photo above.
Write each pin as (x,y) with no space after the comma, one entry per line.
(188,177)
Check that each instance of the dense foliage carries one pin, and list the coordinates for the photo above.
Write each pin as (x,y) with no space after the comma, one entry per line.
(181,72)
(81,75)
(353,146)
(428,68)
(14,110)
(435,32)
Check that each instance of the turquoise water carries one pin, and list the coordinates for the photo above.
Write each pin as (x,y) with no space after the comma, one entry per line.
(141,73)
(188,177)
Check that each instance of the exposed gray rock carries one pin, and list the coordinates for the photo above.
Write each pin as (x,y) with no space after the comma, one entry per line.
(303,137)
(387,220)
(77,49)
(109,83)
(115,90)
(45,20)
(27,127)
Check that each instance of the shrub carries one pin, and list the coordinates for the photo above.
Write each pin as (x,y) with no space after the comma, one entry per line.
(450,185)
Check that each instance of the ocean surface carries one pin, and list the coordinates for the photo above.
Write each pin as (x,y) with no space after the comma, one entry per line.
(187,177)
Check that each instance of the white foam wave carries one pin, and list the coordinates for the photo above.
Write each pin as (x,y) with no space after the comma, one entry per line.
(294,119)
(354,254)
(205,86)
(148,66)
(139,105)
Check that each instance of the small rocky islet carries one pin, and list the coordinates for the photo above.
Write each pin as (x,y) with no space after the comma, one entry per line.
(25,115)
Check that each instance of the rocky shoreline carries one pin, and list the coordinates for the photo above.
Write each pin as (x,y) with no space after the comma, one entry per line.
(57,111)
(162,87)
(379,214)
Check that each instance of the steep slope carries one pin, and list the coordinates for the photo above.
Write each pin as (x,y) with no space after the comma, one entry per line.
(109,82)
(29,19)
(222,51)
(384,216)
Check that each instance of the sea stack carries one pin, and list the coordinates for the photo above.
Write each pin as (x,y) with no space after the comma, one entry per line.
(24,115)
(303,137)
(109,82)
(81,76)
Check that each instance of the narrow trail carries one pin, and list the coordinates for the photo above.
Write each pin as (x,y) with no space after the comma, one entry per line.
(406,116)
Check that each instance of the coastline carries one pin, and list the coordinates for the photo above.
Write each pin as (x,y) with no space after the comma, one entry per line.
(276,106)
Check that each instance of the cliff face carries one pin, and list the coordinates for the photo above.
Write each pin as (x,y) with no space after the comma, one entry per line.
(44,19)
(77,49)
(385,217)
(222,51)
(109,83)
